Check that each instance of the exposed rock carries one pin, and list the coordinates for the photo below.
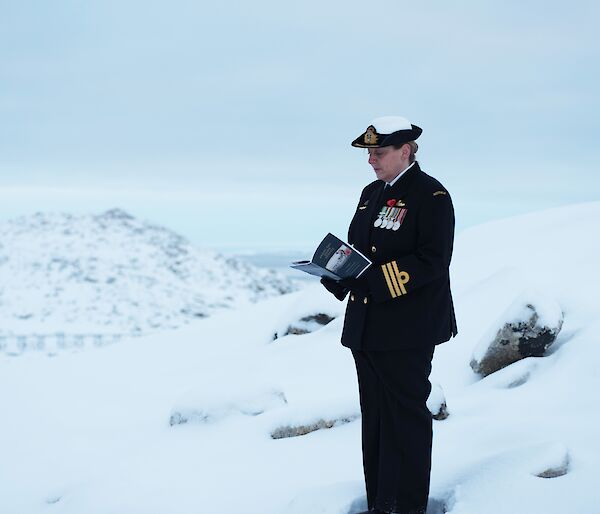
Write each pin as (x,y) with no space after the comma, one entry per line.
(555,472)
(306,325)
(436,403)
(197,416)
(527,330)
(555,462)
(298,430)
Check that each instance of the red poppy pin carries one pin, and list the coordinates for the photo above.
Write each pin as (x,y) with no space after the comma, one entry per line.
(391,203)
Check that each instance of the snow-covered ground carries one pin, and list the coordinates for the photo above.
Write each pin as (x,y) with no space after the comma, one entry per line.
(195,420)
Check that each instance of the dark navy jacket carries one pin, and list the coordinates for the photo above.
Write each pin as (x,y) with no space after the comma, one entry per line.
(408,302)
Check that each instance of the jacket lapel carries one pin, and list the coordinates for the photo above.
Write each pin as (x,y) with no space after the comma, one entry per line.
(378,198)
(362,231)
(400,188)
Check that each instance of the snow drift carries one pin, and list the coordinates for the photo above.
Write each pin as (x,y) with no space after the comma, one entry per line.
(520,440)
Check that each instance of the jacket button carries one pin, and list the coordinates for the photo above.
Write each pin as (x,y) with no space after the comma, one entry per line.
(351,297)
(373,249)
(365,300)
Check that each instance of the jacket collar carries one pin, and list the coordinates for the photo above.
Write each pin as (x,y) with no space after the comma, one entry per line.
(402,185)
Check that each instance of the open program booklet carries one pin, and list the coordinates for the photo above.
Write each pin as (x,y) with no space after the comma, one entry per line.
(334,259)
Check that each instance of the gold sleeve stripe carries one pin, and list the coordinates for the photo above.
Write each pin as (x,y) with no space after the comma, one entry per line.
(402,276)
(389,283)
(439,193)
(393,279)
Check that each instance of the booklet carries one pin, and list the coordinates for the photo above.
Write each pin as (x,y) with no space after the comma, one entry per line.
(334,259)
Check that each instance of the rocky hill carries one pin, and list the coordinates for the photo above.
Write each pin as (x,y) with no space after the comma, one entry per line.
(114,274)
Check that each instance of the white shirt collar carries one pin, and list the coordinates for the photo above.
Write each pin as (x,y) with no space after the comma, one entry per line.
(400,174)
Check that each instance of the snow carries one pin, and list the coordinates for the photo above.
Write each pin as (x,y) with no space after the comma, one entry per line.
(547,309)
(305,305)
(552,459)
(89,430)
(436,398)
(114,274)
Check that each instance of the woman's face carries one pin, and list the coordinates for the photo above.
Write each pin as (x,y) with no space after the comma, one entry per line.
(387,162)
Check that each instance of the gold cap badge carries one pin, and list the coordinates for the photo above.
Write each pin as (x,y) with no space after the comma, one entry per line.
(371,136)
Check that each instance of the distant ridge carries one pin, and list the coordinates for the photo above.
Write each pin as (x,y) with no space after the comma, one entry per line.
(113,273)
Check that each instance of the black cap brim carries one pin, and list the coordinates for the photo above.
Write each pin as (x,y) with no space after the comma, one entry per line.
(395,138)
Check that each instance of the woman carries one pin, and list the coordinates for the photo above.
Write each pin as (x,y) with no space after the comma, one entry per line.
(398,311)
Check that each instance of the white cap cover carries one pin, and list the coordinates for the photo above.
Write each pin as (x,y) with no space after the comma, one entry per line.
(390,124)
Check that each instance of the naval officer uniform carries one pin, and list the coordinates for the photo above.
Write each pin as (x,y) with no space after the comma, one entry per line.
(397,312)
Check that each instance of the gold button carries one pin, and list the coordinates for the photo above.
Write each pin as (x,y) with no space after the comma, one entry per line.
(365,300)
(373,249)
(352,297)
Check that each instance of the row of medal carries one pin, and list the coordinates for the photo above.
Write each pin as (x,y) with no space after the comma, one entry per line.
(390,218)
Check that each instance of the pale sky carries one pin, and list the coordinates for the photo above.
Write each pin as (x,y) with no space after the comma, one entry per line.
(231,122)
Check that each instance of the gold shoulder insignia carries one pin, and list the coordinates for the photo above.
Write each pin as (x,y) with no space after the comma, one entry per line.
(440,193)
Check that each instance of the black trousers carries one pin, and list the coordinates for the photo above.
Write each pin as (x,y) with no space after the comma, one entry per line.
(396,427)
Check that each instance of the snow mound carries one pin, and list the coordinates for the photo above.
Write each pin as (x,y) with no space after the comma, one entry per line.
(436,403)
(515,375)
(114,274)
(552,462)
(552,250)
(200,407)
(308,312)
(328,499)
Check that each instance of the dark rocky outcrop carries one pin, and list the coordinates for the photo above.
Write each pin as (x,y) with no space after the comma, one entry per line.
(515,340)
(306,324)
(554,472)
(298,430)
